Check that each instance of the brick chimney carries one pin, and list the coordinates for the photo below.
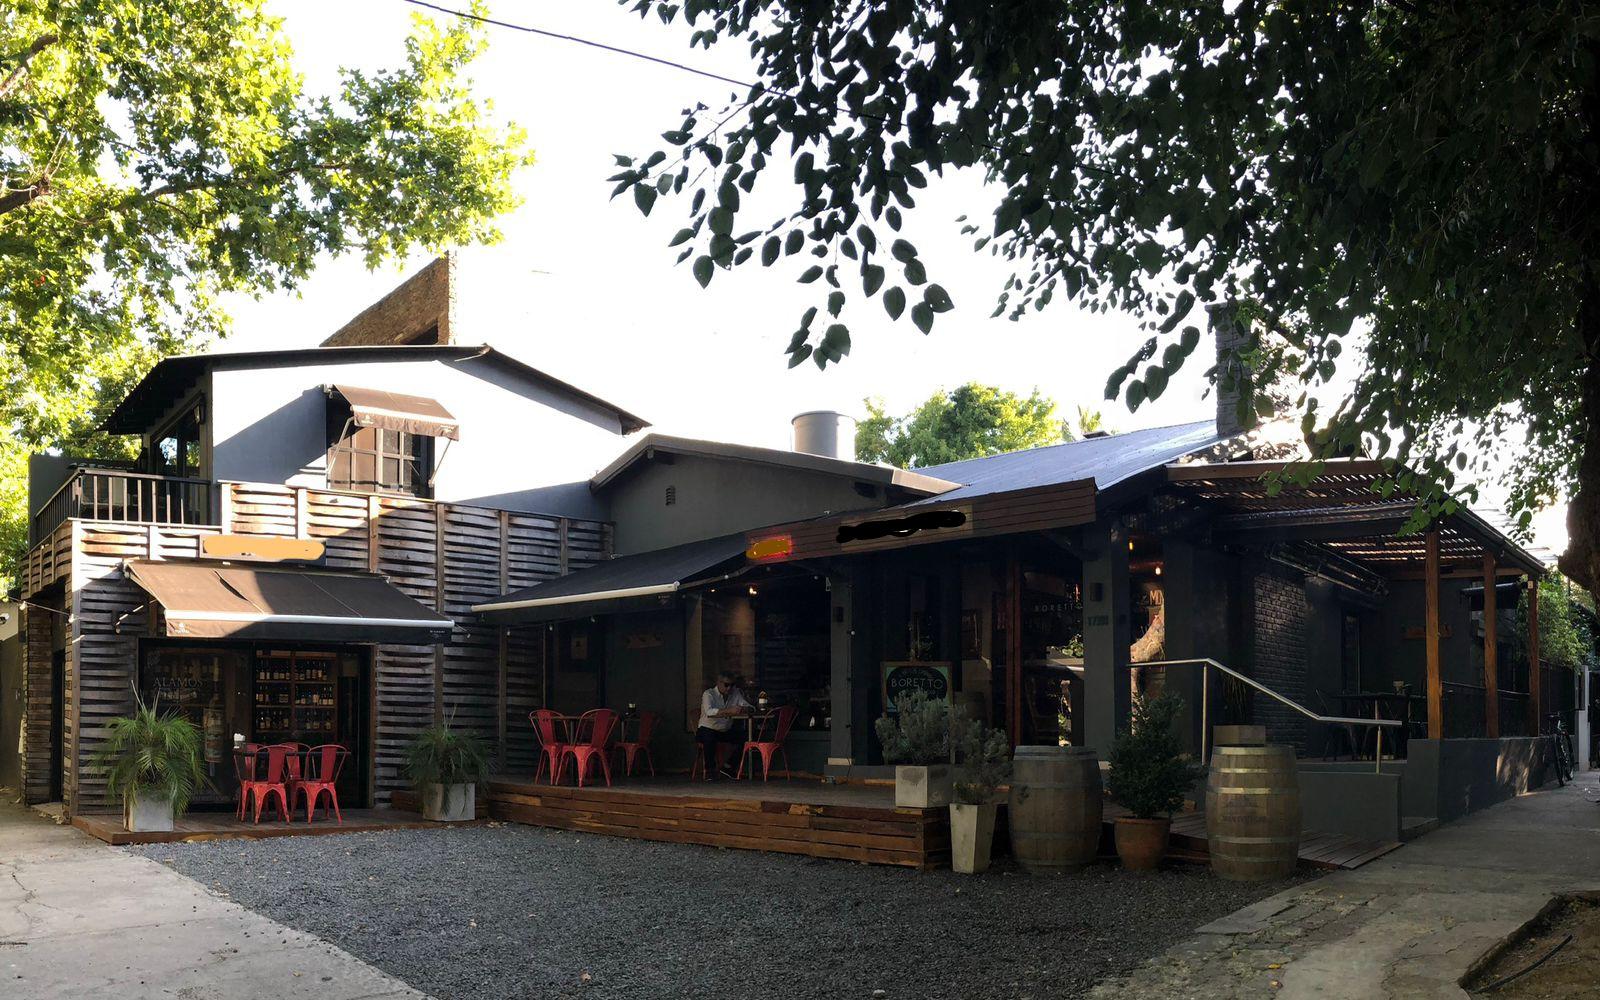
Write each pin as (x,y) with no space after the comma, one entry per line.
(419,310)
(1234,378)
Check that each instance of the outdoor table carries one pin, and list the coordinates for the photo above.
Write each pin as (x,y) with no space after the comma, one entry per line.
(1370,704)
(759,715)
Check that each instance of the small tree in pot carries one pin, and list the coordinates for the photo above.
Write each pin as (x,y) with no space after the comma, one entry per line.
(153,762)
(917,741)
(1150,775)
(446,765)
(983,765)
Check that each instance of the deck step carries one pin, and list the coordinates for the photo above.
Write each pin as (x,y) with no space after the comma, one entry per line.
(1412,827)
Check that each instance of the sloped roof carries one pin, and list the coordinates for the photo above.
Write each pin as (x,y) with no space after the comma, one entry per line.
(882,475)
(1107,460)
(172,376)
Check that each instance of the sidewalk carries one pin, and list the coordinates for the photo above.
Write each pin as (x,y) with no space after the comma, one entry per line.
(1408,925)
(82,920)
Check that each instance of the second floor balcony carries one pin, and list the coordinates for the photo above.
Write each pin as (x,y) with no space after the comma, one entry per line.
(109,494)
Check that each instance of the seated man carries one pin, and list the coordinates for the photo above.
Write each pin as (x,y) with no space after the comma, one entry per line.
(719,707)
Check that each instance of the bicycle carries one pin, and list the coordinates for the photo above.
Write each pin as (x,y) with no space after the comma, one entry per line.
(1560,749)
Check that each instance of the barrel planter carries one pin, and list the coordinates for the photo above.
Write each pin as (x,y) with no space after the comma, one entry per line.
(1253,813)
(1055,809)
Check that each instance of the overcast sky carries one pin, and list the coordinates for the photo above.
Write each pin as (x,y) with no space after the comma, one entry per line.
(586,288)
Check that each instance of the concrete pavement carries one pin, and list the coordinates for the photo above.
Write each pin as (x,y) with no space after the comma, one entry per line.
(82,920)
(1408,925)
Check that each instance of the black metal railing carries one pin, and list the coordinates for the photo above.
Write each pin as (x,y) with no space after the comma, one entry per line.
(137,497)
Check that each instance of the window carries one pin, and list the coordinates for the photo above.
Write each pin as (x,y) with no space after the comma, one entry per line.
(376,460)
(175,450)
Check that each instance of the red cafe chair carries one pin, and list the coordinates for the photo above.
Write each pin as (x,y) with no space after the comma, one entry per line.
(631,749)
(552,748)
(320,777)
(591,744)
(244,769)
(767,748)
(271,767)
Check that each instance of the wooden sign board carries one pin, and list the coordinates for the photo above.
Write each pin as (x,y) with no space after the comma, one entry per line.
(260,548)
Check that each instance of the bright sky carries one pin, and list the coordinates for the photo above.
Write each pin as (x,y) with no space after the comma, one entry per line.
(586,288)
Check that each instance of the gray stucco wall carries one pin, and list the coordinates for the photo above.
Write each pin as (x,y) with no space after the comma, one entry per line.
(717,497)
(523,446)
(12,703)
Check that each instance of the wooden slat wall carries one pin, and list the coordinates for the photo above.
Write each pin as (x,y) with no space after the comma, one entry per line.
(37,627)
(446,556)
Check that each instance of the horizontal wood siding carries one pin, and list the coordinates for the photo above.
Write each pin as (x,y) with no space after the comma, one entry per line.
(38,630)
(446,556)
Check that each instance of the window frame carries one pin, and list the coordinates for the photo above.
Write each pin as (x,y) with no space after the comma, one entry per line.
(346,448)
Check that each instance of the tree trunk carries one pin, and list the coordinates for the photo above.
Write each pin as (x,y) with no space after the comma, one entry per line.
(1582,558)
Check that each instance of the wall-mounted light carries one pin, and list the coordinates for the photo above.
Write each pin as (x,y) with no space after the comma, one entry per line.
(752,591)
(1158,571)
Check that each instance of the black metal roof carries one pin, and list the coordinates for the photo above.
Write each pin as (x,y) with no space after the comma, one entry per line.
(1107,460)
(648,574)
(172,377)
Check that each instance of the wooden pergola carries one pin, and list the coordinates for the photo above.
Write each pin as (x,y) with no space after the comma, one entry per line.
(1342,513)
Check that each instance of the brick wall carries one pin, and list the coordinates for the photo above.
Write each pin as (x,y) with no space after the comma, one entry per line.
(1278,654)
(419,307)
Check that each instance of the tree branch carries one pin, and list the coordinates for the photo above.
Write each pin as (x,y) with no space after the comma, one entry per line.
(17,198)
(14,77)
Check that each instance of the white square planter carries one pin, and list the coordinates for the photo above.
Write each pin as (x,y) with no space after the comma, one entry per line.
(918,787)
(147,814)
(450,803)
(971,836)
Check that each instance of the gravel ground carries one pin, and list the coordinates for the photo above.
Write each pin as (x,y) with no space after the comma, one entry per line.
(522,912)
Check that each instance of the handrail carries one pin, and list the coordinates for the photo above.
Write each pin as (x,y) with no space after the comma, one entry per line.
(68,500)
(1207,663)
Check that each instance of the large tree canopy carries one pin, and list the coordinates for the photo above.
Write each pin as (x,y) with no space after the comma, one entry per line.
(967,422)
(1416,179)
(156,154)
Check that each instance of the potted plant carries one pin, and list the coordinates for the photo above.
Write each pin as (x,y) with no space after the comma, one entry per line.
(984,764)
(917,741)
(153,762)
(446,765)
(1150,776)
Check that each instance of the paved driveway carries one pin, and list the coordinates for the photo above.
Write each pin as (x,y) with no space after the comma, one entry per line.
(1407,925)
(80,920)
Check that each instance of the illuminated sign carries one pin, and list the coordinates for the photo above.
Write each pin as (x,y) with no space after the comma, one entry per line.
(770,549)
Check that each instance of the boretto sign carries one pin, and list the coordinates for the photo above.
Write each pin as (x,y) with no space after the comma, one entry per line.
(900,679)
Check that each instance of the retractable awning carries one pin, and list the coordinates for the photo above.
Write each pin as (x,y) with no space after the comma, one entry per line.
(638,582)
(212,600)
(396,412)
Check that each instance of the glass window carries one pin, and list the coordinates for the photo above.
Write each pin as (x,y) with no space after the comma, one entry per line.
(375,460)
(175,451)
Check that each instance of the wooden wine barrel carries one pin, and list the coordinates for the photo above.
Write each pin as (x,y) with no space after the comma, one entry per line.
(1253,812)
(1056,807)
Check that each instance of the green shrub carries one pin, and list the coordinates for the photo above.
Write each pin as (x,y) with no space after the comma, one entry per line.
(441,755)
(1150,773)
(983,762)
(919,735)
(148,754)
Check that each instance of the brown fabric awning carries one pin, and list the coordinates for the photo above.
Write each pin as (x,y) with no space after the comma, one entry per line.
(393,411)
(220,600)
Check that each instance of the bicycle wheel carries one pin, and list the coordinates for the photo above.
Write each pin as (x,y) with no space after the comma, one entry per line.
(1558,760)
(1569,761)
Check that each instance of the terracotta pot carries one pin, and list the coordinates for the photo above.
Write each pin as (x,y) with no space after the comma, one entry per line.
(1142,843)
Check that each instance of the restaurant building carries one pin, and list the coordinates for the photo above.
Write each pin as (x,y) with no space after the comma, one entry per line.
(347,543)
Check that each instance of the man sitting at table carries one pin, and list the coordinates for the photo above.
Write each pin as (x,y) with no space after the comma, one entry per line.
(720,705)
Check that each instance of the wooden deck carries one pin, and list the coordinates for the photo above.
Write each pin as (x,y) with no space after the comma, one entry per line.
(847,822)
(197,826)
(1317,850)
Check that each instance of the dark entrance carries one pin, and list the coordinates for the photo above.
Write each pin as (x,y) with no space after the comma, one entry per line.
(58,699)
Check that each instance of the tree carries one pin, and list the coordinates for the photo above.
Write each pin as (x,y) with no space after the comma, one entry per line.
(156,154)
(967,422)
(1564,640)
(1420,179)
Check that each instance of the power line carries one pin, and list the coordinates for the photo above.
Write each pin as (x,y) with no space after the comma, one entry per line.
(618,50)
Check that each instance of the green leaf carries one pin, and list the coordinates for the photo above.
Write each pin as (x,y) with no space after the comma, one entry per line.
(902,251)
(835,303)
(682,236)
(793,242)
(922,316)
(702,270)
(811,274)
(894,302)
(937,299)
(769,251)
(915,272)
(871,278)
(644,196)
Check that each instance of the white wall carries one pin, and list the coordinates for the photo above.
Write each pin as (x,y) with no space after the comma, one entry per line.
(524,446)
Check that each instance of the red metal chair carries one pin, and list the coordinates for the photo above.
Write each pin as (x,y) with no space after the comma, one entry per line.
(591,743)
(699,765)
(270,765)
(782,721)
(631,749)
(320,777)
(552,748)
(244,769)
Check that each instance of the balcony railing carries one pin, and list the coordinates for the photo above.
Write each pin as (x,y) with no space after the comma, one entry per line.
(115,495)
